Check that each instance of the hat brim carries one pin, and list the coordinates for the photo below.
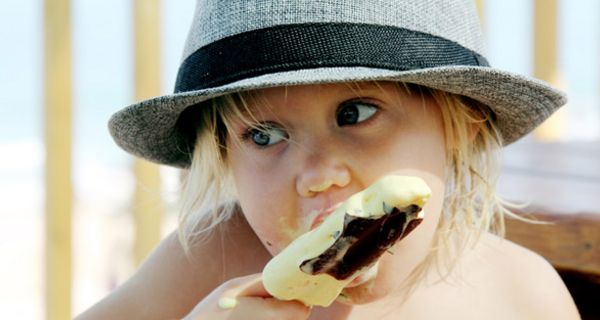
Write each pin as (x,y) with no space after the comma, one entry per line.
(149,129)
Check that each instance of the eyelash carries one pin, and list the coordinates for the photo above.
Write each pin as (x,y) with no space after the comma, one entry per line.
(248,134)
(373,112)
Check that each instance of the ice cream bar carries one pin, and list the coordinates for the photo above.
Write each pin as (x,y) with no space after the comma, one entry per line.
(316,266)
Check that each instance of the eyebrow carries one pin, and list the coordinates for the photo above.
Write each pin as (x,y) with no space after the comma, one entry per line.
(363,88)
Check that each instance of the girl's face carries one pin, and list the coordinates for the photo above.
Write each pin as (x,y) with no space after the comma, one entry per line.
(313,146)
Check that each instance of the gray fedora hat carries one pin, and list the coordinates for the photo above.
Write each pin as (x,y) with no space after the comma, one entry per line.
(238,45)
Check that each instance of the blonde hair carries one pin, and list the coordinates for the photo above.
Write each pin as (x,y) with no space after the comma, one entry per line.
(471,207)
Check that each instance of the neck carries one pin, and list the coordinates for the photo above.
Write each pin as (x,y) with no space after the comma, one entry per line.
(390,303)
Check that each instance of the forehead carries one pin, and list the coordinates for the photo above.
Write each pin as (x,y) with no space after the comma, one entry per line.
(365,86)
(291,95)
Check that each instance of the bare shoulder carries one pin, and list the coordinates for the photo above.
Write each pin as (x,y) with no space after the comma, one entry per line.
(169,283)
(534,286)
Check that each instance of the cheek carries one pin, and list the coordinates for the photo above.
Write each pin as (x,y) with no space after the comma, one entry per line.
(408,138)
(417,151)
(266,205)
(421,152)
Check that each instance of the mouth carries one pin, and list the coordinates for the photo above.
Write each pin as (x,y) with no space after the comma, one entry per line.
(322,215)
(362,278)
(362,241)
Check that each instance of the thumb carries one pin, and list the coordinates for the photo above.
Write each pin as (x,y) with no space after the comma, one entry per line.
(245,290)
(248,286)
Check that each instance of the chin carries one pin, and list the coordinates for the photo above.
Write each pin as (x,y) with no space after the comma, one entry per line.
(378,284)
(367,292)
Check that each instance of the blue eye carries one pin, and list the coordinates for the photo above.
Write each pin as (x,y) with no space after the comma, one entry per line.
(354,112)
(265,135)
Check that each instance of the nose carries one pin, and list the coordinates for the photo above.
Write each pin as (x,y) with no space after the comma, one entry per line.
(322,170)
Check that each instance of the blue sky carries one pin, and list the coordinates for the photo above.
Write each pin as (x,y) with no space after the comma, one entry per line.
(102,51)
(102,63)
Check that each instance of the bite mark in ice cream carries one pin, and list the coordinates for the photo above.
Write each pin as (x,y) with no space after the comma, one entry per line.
(361,242)
(316,266)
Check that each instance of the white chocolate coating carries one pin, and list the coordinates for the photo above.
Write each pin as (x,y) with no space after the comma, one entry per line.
(282,276)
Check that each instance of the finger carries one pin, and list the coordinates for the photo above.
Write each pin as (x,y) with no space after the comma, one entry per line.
(246,298)
(268,308)
(247,286)
(247,295)
(219,303)
(253,286)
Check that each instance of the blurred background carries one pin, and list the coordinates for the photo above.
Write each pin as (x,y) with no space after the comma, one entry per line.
(70,199)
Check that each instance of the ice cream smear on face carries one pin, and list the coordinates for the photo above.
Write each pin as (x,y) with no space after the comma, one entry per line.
(316,266)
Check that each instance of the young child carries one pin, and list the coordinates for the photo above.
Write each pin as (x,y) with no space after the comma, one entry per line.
(283,109)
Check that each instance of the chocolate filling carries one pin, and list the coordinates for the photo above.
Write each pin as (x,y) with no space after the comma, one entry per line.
(362,242)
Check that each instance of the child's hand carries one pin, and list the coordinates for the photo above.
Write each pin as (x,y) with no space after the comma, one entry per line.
(246,298)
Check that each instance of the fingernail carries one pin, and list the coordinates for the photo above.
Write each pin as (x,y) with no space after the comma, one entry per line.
(227,303)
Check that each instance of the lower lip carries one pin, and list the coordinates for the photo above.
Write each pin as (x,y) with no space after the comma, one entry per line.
(358,281)
(318,220)
(363,278)
(322,216)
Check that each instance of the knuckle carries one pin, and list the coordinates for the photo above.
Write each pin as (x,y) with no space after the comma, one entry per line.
(232,283)
(287,310)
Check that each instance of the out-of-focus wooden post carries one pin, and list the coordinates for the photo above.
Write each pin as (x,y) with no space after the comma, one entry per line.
(148,208)
(546,62)
(58,188)
(481,10)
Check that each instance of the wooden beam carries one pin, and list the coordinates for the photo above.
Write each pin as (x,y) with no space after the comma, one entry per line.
(58,186)
(481,10)
(545,62)
(545,40)
(148,208)
(561,183)
(571,242)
